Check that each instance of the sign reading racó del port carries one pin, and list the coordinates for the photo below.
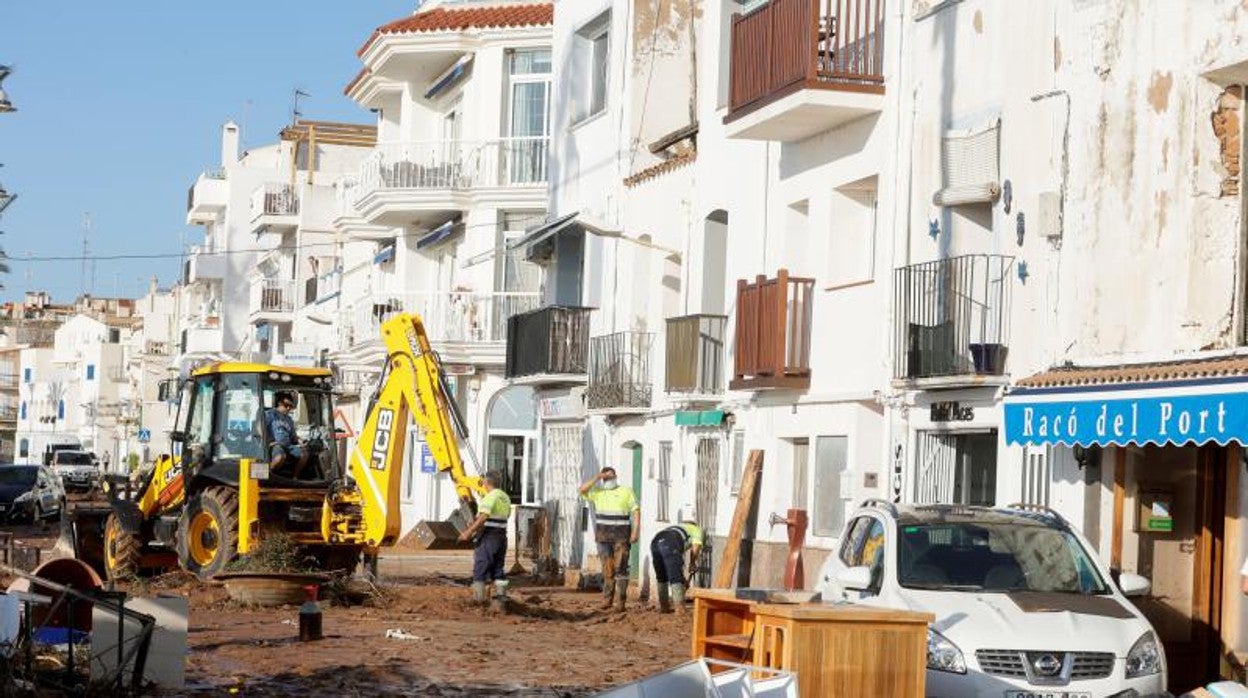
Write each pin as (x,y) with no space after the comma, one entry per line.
(1105,418)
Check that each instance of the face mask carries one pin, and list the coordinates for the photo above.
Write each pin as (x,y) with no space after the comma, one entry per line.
(609,484)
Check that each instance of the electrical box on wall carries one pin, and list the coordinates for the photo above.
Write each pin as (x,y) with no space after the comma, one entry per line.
(1156,510)
(1049,215)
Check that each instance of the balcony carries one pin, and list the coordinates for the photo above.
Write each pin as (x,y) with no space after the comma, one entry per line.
(201,339)
(465,327)
(204,265)
(548,345)
(695,356)
(321,288)
(275,207)
(800,67)
(272,300)
(952,320)
(773,333)
(421,182)
(619,373)
(207,197)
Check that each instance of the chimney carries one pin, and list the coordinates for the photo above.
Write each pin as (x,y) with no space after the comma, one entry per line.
(229,143)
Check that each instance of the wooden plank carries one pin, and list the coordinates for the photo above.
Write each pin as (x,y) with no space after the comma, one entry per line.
(1120,488)
(745,497)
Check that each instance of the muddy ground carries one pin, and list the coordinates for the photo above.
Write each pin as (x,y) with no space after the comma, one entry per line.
(553,642)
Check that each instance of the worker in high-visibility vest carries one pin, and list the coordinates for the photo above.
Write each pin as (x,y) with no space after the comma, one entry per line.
(489,554)
(667,550)
(617,523)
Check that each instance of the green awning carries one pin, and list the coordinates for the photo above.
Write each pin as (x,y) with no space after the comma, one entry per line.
(699,418)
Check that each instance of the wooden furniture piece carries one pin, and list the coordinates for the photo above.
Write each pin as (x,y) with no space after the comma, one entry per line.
(835,650)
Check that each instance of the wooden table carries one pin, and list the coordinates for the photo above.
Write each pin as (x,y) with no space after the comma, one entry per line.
(835,650)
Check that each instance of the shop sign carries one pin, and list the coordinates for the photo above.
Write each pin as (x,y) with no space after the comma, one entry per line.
(951,412)
(563,407)
(1108,419)
(427,464)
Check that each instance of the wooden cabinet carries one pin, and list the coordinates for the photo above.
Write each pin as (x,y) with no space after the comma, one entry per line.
(835,650)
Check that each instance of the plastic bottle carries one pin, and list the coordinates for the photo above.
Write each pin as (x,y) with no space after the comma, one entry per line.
(310,617)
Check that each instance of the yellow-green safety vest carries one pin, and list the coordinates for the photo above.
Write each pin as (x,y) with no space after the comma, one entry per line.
(614,508)
(497,505)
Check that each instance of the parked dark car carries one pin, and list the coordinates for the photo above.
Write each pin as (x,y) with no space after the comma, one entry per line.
(29,493)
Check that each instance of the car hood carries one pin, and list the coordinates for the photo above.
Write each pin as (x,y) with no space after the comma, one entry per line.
(1032,621)
(75,469)
(10,492)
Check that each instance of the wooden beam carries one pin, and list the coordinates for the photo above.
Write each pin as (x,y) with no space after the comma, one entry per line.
(1120,490)
(745,497)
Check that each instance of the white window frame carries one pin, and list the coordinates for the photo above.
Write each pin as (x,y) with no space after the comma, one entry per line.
(594,39)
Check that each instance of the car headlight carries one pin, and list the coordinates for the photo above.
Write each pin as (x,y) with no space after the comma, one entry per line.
(24,497)
(1144,657)
(943,655)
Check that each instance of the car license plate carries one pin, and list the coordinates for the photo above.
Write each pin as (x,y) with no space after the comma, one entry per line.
(1046,694)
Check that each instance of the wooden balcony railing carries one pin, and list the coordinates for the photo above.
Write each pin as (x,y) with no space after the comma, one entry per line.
(952,317)
(619,372)
(548,341)
(788,45)
(773,333)
(695,354)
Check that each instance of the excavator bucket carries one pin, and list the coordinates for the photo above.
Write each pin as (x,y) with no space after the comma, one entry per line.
(444,535)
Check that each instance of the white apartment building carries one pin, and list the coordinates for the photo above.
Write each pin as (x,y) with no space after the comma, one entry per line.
(269,252)
(144,418)
(726,236)
(462,95)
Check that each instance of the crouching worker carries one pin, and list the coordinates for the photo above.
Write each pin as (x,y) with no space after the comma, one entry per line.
(667,550)
(490,548)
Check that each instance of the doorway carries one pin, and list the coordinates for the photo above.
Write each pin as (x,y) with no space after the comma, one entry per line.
(957,468)
(1181,554)
(634,554)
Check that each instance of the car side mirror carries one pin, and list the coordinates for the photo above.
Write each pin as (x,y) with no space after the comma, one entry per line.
(1134,584)
(855,578)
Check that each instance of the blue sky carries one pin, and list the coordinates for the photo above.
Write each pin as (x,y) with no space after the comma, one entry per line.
(120,106)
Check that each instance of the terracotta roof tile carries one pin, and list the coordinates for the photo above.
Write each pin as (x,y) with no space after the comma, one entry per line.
(661,168)
(1139,373)
(460,18)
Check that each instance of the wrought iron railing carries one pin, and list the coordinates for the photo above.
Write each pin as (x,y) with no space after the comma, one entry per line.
(274,199)
(619,371)
(550,340)
(952,317)
(450,164)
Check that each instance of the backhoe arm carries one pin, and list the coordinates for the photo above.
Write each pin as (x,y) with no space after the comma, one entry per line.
(411,384)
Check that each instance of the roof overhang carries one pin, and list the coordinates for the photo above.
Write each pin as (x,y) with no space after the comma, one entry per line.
(1177,403)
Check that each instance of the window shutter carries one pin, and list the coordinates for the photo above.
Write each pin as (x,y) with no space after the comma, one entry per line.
(970,167)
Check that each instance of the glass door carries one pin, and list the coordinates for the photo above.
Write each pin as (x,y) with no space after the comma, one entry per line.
(528,123)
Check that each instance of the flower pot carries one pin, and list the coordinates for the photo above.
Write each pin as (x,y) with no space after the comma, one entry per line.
(989,358)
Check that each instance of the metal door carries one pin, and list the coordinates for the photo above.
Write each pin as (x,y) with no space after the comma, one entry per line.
(563,461)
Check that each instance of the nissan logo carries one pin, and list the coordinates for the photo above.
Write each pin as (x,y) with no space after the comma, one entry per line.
(1047,665)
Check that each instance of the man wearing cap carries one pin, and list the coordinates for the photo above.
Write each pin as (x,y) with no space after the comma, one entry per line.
(489,555)
(617,522)
(667,550)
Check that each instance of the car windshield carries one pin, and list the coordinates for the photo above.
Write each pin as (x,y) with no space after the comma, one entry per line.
(999,557)
(18,476)
(71,458)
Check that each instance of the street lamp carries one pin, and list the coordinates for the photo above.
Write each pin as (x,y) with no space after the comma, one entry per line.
(5,105)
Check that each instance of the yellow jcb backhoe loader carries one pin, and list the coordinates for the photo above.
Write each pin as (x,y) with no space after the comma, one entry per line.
(221,493)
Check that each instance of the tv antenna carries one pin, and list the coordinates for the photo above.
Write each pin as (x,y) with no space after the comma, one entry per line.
(295,114)
(88,267)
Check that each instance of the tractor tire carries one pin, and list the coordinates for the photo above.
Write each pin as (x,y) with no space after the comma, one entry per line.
(208,532)
(122,551)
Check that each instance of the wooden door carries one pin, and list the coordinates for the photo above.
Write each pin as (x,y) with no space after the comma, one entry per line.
(1184,564)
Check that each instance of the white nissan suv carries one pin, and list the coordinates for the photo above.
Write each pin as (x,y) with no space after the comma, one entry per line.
(1023,610)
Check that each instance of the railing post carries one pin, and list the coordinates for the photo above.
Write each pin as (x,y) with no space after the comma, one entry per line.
(781,335)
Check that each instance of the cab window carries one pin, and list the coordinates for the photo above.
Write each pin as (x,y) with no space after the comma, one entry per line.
(239,413)
(198,441)
(851,547)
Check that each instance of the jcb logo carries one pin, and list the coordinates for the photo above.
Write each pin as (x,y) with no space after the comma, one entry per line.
(381,442)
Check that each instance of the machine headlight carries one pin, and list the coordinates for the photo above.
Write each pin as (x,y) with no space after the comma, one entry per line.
(1144,657)
(943,655)
(24,497)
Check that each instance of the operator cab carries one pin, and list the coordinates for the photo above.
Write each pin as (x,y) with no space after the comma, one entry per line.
(226,415)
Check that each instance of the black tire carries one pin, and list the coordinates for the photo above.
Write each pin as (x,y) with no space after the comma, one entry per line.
(122,551)
(208,532)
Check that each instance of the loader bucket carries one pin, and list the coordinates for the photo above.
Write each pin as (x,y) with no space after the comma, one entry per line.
(444,535)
